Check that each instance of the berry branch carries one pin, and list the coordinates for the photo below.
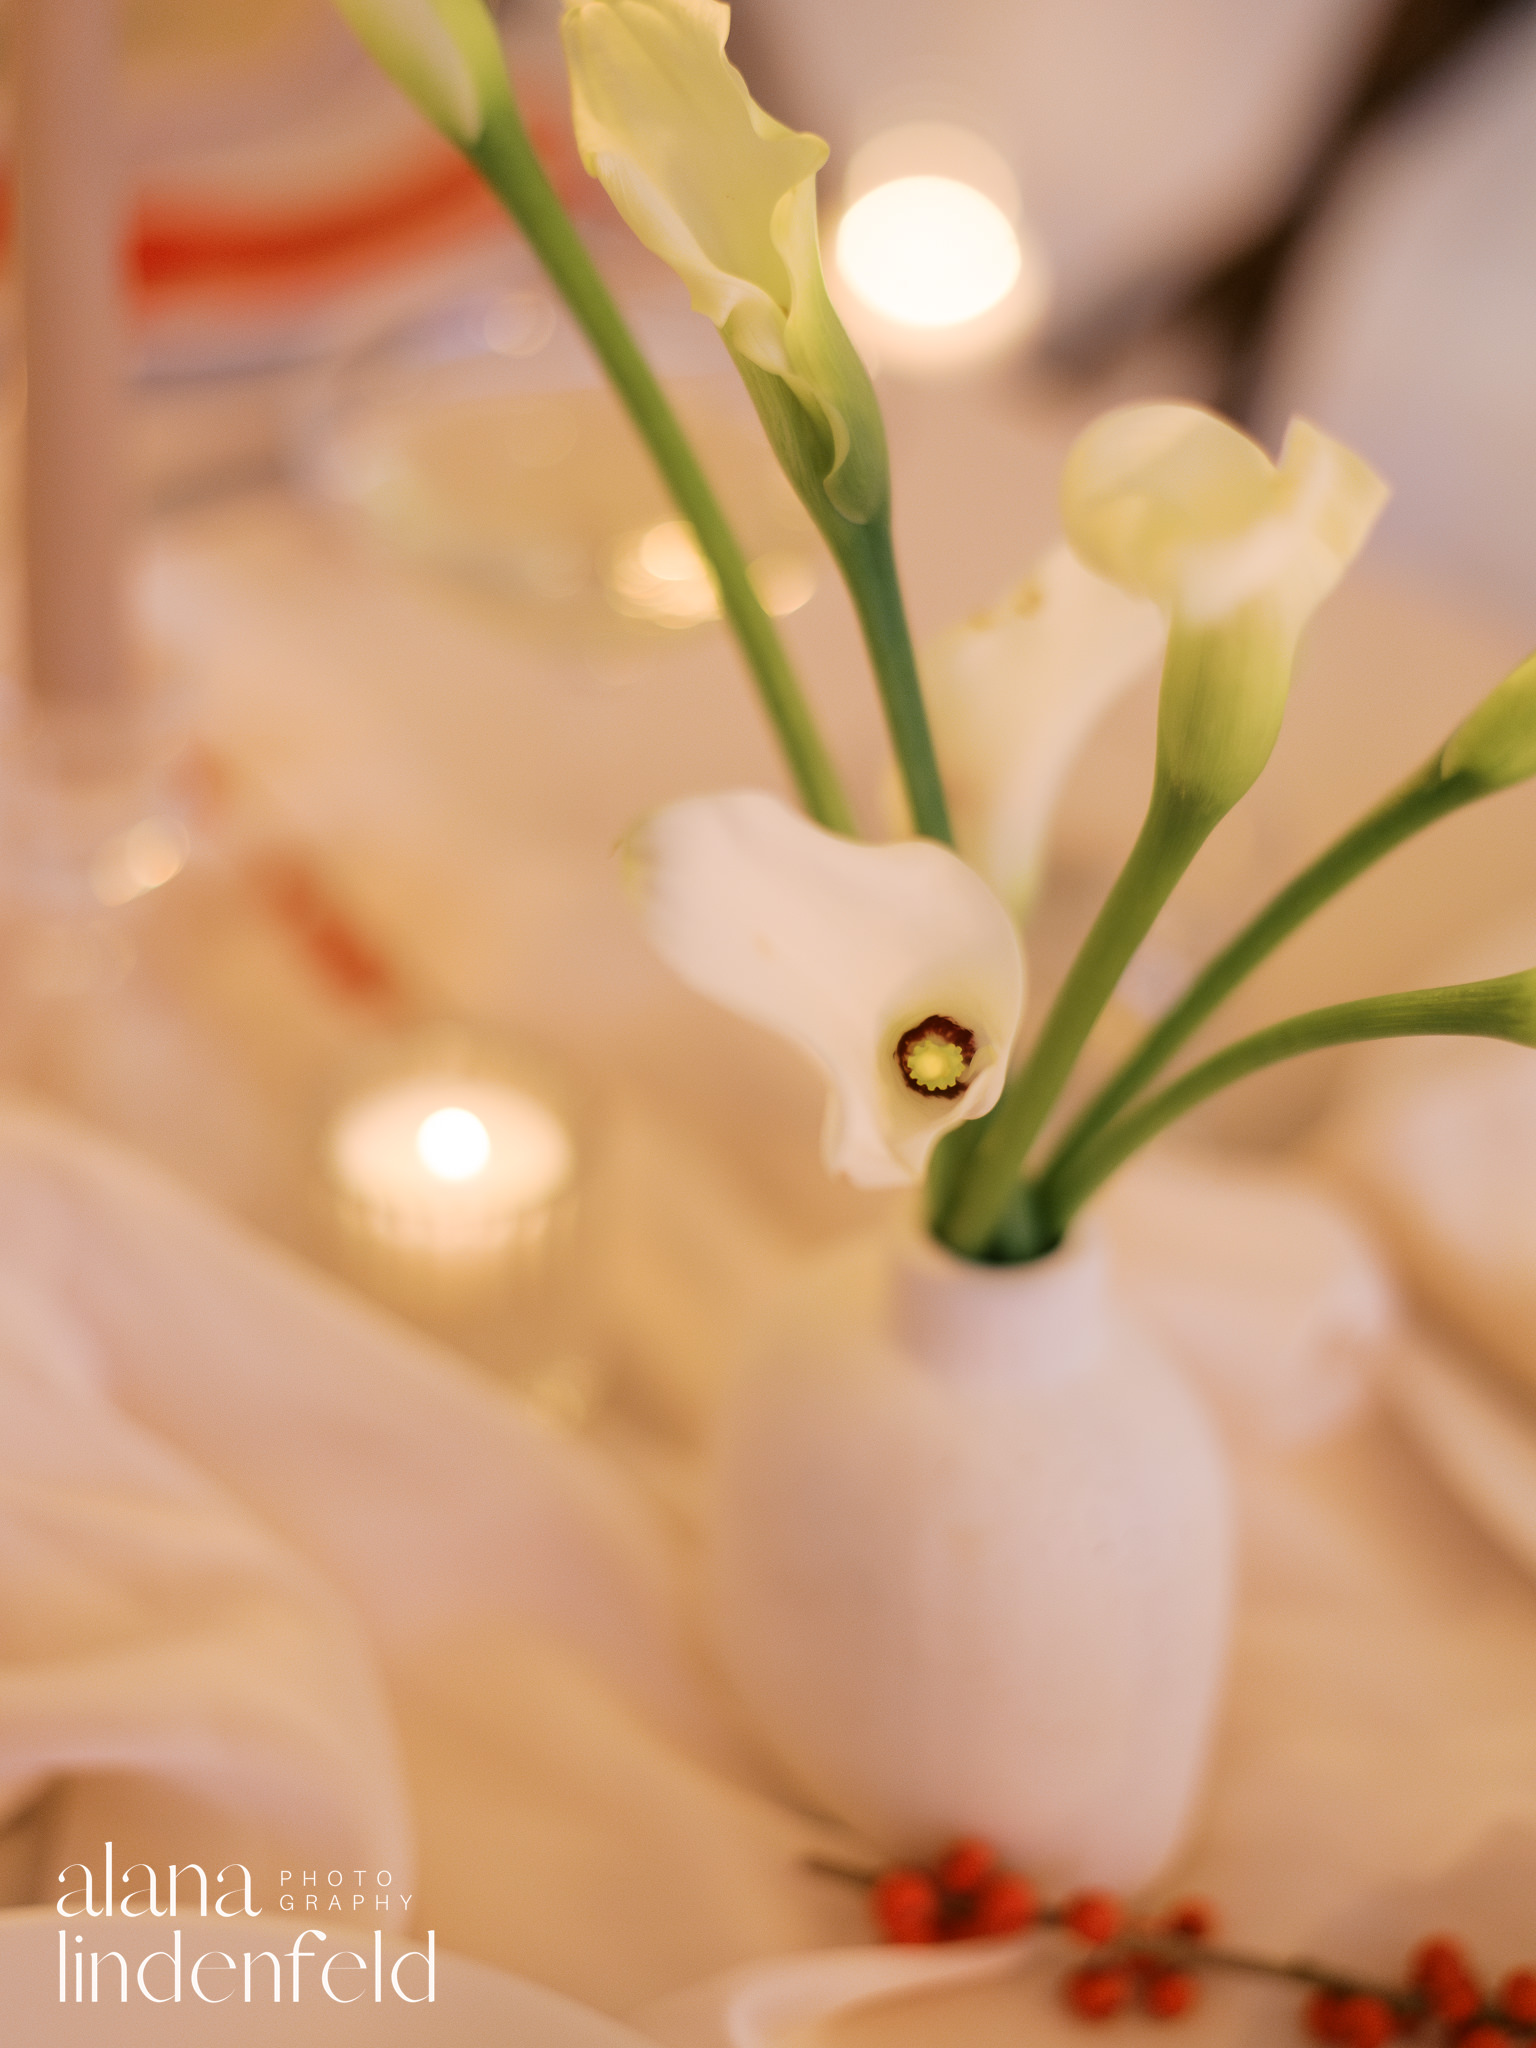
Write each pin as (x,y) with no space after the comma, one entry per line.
(1155,1965)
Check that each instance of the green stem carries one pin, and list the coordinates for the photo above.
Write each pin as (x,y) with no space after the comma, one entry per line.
(1502,1008)
(868,562)
(505,159)
(1182,1953)
(1425,797)
(987,1182)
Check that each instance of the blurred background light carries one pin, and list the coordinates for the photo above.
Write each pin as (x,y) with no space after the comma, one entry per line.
(935,268)
(660,575)
(453,1144)
(929,252)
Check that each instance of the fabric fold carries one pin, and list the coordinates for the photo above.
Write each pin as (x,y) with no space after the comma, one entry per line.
(168,1664)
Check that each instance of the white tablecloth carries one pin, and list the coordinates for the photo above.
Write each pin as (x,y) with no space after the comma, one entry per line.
(472,1633)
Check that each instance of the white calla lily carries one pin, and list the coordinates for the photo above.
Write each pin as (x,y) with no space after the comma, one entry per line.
(894,967)
(727,196)
(445,54)
(1013,693)
(1173,503)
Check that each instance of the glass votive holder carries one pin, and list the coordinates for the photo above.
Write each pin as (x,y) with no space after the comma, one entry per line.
(97,812)
(477,442)
(449,1168)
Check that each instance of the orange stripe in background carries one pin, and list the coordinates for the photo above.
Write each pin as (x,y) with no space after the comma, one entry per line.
(176,246)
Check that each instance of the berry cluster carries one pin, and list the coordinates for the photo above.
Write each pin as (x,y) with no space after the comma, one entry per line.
(965,1894)
(968,1892)
(1440,1988)
(1153,1964)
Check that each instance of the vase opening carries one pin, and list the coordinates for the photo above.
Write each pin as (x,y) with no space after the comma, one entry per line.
(960,1317)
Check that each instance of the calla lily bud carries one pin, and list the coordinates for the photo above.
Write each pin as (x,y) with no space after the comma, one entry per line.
(1173,503)
(727,196)
(445,54)
(1013,693)
(1496,745)
(894,967)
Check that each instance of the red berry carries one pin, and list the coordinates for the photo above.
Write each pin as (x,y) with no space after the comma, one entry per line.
(906,1904)
(1194,1919)
(1354,2019)
(1517,1996)
(1452,1998)
(1169,1994)
(1005,1904)
(1457,2003)
(1096,1916)
(1362,2020)
(1438,1968)
(1438,1961)
(1322,2015)
(966,1864)
(1486,2035)
(1097,1991)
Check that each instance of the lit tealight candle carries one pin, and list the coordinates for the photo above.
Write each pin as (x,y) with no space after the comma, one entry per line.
(453,1171)
(935,267)
(453,1144)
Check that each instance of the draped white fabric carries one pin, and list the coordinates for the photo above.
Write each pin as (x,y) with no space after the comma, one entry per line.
(282,1581)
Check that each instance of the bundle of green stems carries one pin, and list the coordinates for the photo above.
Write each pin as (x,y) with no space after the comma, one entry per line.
(996,1192)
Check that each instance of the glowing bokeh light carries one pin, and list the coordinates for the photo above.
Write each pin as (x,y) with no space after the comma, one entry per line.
(659,574)
(928,252)
(453,1144)
(784,579)
(450,1168)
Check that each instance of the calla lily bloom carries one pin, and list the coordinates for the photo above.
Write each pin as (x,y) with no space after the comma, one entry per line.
(727,195)
(1013,693)
(893,967)
(445,54)
(1173,503)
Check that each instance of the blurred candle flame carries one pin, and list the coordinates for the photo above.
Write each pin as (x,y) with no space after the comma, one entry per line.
(929,252)
(453,1144)
(935,265)
(448,1168)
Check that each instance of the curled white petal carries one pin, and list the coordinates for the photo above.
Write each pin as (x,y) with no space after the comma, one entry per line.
(443,53)
(696,168)
(727,196)
(1176,504)
(840,948)
(1012,695)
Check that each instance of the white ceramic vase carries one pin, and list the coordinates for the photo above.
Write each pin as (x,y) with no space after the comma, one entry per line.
(971,1562)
